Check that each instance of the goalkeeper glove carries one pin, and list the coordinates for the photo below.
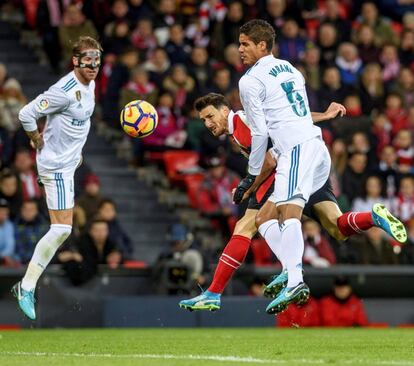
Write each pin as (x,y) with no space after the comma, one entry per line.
(243,187)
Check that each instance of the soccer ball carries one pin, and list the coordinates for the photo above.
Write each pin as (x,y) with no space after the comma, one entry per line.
(139,118)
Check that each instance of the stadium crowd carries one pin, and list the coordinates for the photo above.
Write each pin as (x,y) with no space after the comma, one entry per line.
(168,52)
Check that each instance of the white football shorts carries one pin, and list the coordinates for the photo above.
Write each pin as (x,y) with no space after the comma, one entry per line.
(301,172)
(59,190)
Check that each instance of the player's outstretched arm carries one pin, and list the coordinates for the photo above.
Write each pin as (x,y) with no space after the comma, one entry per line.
(334,110)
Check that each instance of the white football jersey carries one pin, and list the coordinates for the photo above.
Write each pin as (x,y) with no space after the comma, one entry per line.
(68,106)
(274,98)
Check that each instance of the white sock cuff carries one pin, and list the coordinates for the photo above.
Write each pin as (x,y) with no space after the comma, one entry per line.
(61,227)
(263,227)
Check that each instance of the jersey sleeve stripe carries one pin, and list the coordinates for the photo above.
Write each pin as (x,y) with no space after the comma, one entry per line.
(67,84)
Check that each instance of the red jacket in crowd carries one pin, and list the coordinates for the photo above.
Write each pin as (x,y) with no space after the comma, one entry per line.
(336,313)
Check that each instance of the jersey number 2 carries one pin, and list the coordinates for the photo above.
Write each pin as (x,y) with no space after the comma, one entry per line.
(295,99)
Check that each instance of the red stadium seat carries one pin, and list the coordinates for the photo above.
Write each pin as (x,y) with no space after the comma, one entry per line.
(192,183)
(178,162)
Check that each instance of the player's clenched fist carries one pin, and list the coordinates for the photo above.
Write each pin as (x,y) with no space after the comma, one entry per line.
(243,187)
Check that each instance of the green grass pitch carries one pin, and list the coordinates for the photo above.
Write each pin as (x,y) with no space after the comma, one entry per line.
(208,346)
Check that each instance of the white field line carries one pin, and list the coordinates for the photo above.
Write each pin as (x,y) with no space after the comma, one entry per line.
(248,360)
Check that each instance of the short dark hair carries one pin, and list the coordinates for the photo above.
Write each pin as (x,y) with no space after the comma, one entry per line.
(214,99)
(259,30)
(106,201)
(83,43)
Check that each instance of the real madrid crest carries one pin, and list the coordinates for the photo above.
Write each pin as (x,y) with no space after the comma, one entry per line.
(78,95)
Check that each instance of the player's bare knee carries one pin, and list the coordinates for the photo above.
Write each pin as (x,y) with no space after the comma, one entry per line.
(245,227)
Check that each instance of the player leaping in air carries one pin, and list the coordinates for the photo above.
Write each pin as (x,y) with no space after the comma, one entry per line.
(216,113)
(68,106)
(274,98)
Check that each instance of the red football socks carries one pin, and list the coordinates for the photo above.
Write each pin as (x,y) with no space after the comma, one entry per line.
(232,257)
(351,223)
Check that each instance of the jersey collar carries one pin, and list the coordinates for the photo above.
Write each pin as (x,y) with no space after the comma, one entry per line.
(230,126)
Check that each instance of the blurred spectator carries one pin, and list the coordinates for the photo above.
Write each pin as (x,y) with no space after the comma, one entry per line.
(372,88)
(381,26)
(403,203)
(215,196)
(388,170)
(157,65)
(91,250)
(180,266)
(7,241)
(410,120)
(119,12)
(11,101)
(373,247)
(333,16)
(91,198)
(181,85)
(167,127)
(365,40)
(354,121)
(211,12)
(200,67)
(327,42)
(354,176)
(349,63)
(360,144)
(73,26)
(381,131)
(48,19)
(166,16)
(232,22)
(177,49)
(119,77)
(403,144)
(3,77)
(395,112)
(143,38)
(405,86)
(139,87)
(332,88)
(9,190)
(342,308)
(307,315)
(373,192)
(233,63)
(6,148)
(313,71)
(339,158)
(108,212)
(318,252)
(30,227)
(118,40)
(406,50)
(390,63)
(24,166)
(221,81)
(139,9)
(291,44)
(274,13)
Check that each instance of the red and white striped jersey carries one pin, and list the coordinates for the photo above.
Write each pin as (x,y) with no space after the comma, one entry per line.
(239,131)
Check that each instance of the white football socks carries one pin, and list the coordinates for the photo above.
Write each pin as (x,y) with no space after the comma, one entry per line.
(292,248)
(271,233)
(44,252)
